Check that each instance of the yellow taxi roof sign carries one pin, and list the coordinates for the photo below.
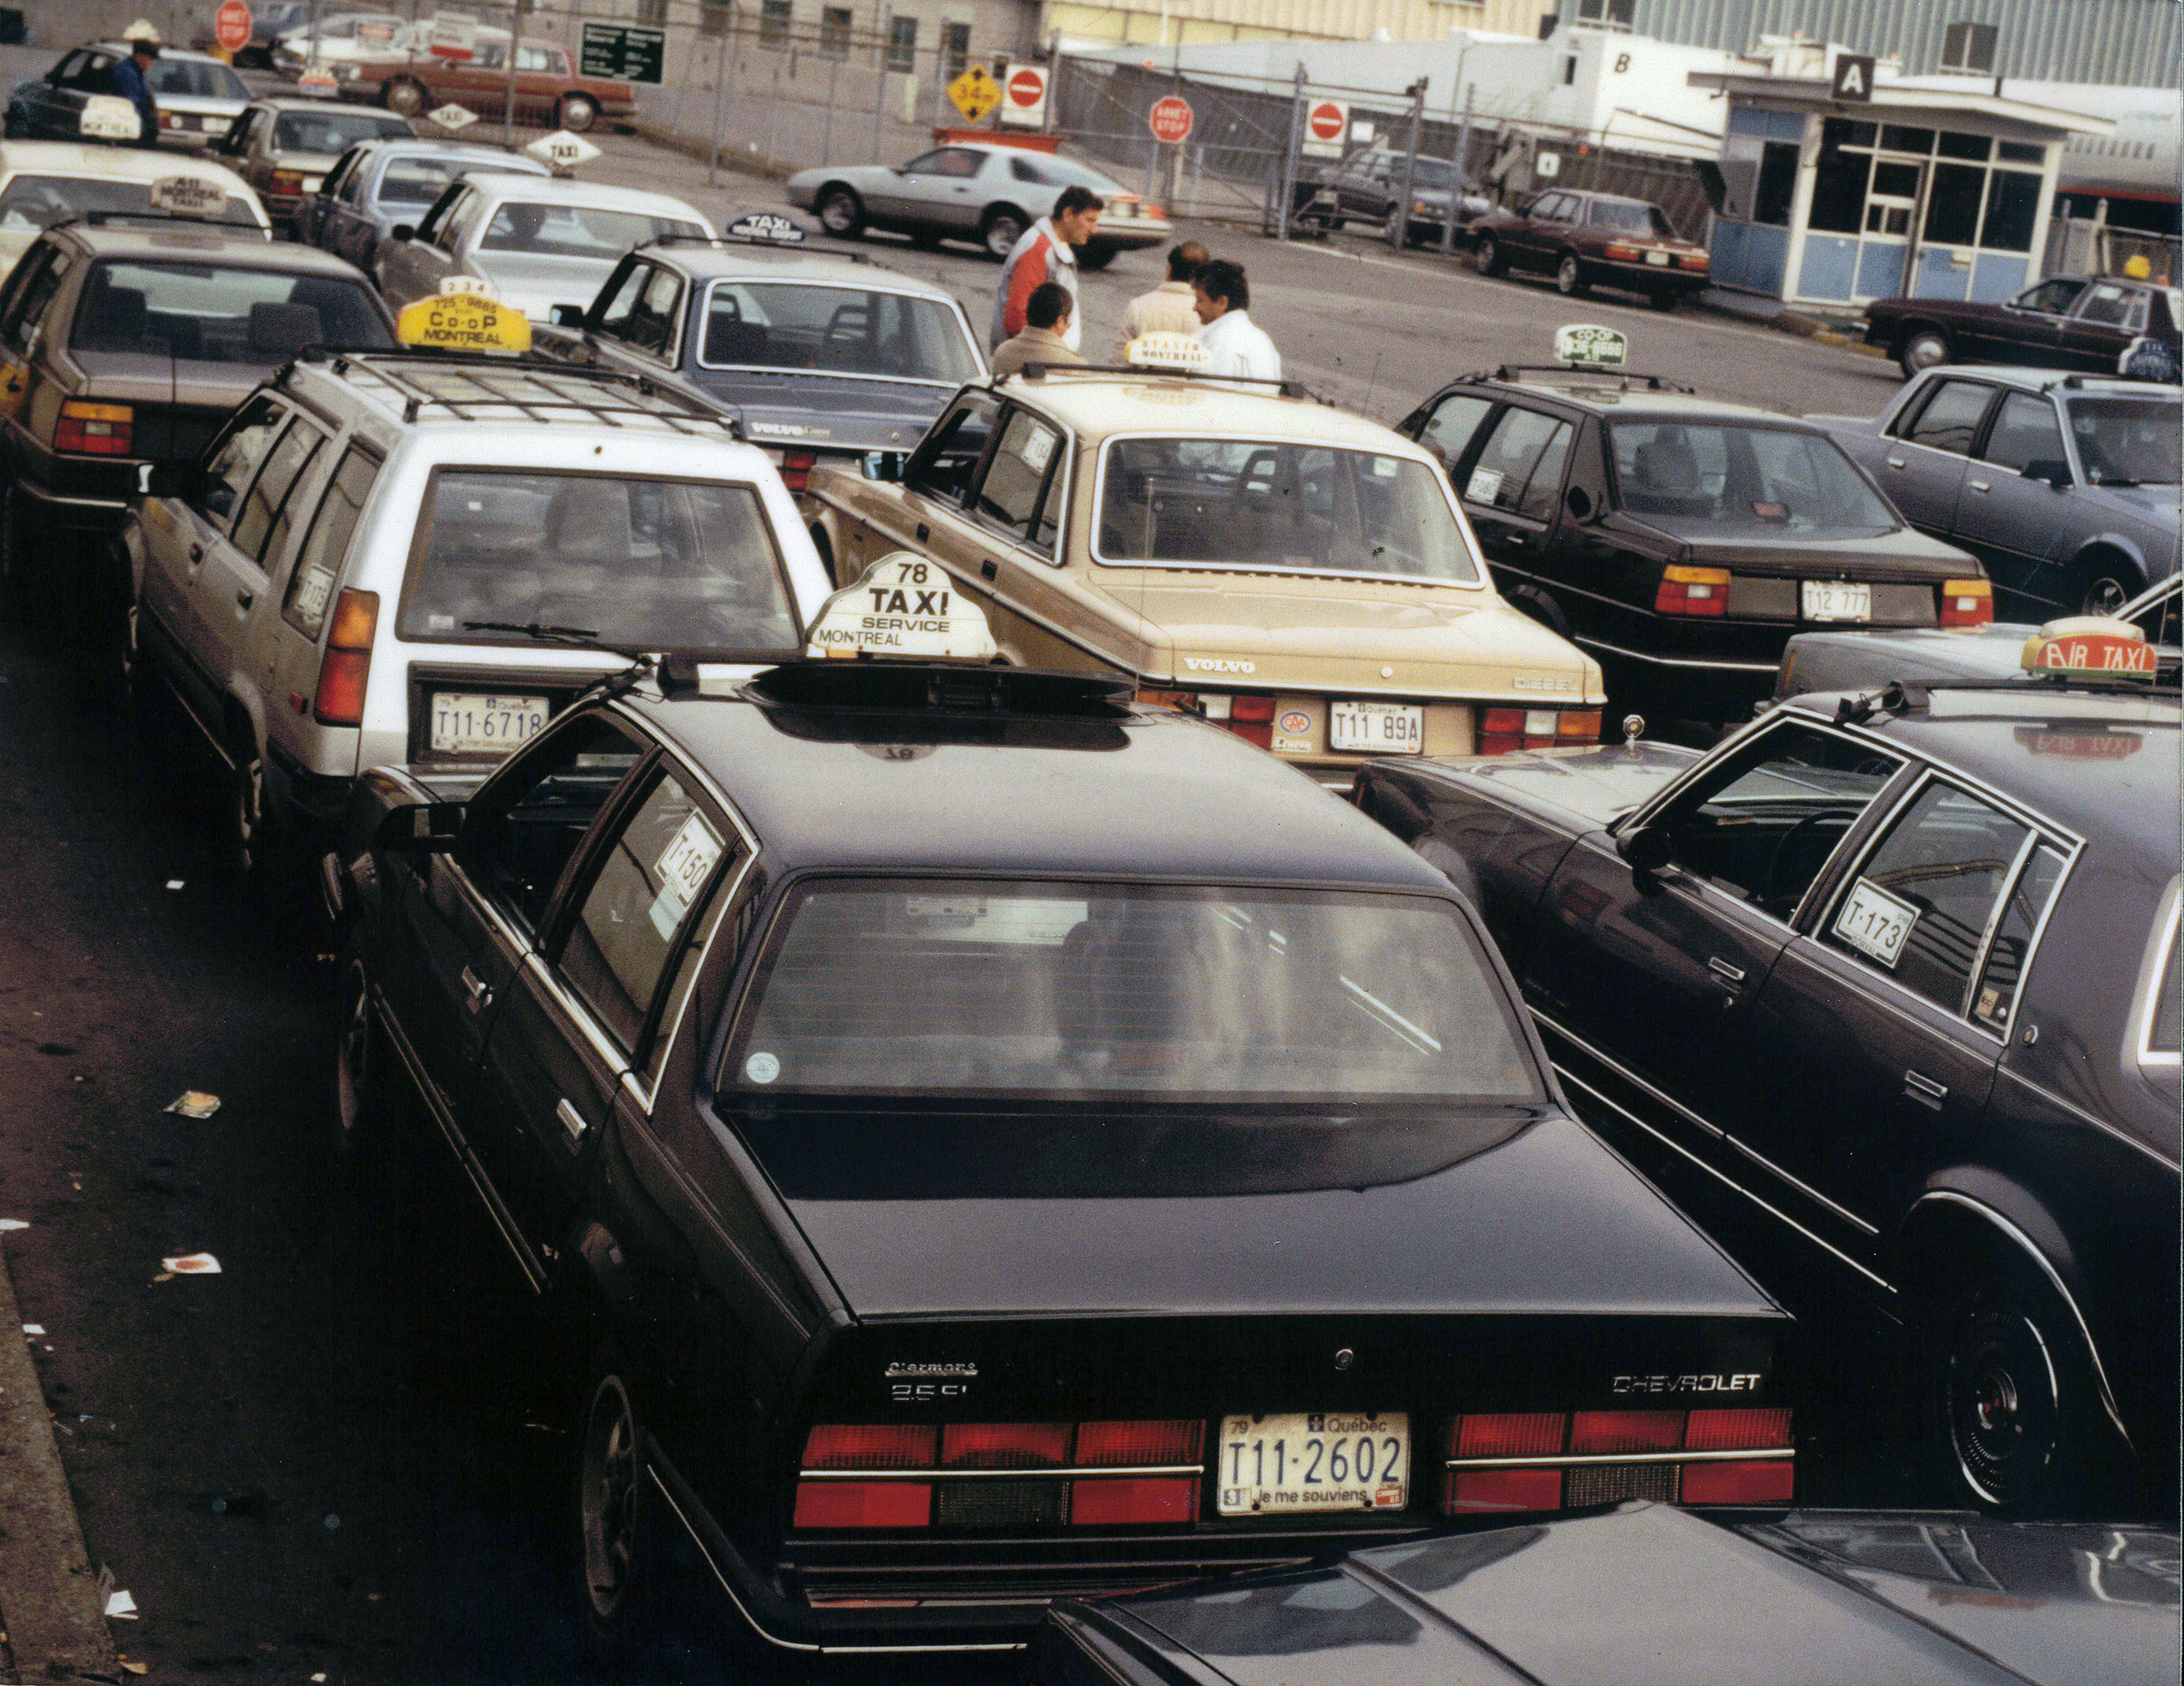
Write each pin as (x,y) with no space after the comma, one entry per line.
(905,607)
(462,321)
(2090,646)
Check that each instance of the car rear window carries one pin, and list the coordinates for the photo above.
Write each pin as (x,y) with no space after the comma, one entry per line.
(195,79)
(215,313)
(577,231)
(40,201)
(836,330)
(950,987)
(331,130)
(635,564)
(2128,441)
(418,180)
(1630,219)
(1755,479)
(1267,502)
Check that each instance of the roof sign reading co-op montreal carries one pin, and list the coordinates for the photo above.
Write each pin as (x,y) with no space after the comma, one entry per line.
(905,606)
(624,53)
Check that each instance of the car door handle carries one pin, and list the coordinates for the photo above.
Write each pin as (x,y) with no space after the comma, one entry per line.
(480,996)
(197,554)
(244,598)
(924,533)
(1722,969)
(1896,462)
(989,571)
(573,1127)
(1982,486)
(1923,1089)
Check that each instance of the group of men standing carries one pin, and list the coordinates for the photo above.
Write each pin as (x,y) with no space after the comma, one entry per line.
(1037,319)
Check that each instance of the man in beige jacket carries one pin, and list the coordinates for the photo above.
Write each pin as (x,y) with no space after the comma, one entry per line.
(1045,336)
(1168,308)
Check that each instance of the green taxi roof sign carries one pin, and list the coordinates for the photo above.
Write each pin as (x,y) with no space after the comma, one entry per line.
(1589,346)
(905,607)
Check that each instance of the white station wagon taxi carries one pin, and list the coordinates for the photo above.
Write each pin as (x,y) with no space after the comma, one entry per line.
(1300,575)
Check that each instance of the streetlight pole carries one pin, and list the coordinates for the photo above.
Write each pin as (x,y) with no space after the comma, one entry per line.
(508,106)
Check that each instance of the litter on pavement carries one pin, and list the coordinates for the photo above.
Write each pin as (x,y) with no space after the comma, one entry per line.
(194,1104)
(192,1264)
(34,1328)
(13,1224)
(120,1607)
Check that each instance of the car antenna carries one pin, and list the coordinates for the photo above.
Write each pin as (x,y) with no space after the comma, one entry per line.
(1856,711)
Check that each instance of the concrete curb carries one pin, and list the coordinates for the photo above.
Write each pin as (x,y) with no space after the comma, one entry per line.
(49,1599)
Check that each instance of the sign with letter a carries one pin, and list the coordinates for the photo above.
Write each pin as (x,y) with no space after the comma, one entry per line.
(1854,76)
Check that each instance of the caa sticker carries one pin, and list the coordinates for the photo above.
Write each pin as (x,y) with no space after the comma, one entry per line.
(1296,724)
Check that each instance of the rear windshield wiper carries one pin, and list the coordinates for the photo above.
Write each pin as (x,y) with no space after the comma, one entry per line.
(585,636)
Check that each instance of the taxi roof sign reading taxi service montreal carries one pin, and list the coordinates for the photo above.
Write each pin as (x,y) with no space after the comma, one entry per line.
(1592,346)
(904,607)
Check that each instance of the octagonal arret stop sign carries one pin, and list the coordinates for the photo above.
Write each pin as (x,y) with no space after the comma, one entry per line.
(231,25)
(1170,119)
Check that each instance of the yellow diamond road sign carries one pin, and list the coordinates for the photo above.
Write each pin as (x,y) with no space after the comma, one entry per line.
(975,92)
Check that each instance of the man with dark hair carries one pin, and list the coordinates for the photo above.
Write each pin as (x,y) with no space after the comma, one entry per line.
(1047,315)
(130,79)
(1047,252)
(1167,308)
(1223,299)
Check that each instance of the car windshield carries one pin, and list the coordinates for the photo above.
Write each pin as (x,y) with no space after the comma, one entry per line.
(417,181)
(1060,172)
(194,79)
(1631,219)
(331,130)
(947,987)
(2127,441)
(212,313)
(1758,479)
(839,330)
(639,564)
(40,201)
(1430,172)
(1264,503)
(577,231)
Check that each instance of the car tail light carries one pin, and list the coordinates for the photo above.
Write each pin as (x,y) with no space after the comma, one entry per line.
(1967,603)
(1770,1482)
(1004,1445)
(796,468)
(1118,1501)
(1250,717)
(1157,213)
(346,667)
(1580,724)
(1626,1430)
(864,1504)
(1185,700)
(1180,1441)
(1695,260)
(1474,1490)
(1503,729)
(171,120)
(1746,1431)
(880,1446)
(1692,591)
(95,429)
(285,181)
(1546,1460)
(1525,1434)
(1618,250)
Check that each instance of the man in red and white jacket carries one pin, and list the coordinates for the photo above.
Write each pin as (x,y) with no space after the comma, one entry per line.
(1046,252)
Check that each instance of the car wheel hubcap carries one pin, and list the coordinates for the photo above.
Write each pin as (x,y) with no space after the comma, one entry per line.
(609,1497)
(249,811)
(1002,236)
(2104,596)
(1486,254)
(839,214)
(1566,277)
(2005,1417)
(1927,351)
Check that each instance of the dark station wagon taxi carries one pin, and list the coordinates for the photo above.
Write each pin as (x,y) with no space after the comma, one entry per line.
(1019,1144)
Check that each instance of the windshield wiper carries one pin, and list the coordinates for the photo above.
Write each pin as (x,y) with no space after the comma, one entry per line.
(544,632)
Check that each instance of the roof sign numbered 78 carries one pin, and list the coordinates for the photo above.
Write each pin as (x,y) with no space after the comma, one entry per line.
(1583,343)
(904,607)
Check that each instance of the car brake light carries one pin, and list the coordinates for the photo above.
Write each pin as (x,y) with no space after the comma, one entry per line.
(1523,1434)
(796,468)
(1503,729)
(1004,1445)
(1474,1490)
(864,1504)
(1967,603)
(1770,1482)
(95,429)
(1626,1430)
(1185,700)
(1250,717)
(1618,250)
(1692,591)
(1140,1443)
(1696,260)
(346,665)
(1581,724)
(286,181)
(1745,1430)
(877,1446)
(1132,1500)
(1518,1460)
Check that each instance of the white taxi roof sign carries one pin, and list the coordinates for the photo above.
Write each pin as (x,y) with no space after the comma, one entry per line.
(562,151)
(2090,646)
(462,321)
(108,117)
(1588,345)
(1166,350)
(768,228)
(187,196)
(905,607)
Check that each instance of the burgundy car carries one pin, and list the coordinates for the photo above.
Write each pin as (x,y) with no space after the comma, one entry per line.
(1585,240)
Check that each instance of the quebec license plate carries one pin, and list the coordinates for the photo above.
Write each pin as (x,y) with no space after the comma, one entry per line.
(1314,1460)
(1377,727)
(1659,259)
(483,723)
(1832,600)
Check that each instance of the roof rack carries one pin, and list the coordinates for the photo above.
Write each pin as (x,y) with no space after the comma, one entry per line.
(540,388)
(2078,382)
(1040,371)
(1624,377)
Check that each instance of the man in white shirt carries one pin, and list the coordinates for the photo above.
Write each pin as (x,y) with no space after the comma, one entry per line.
(1238,345)
(1168,309)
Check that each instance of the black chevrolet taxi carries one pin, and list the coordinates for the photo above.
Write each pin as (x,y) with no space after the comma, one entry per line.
(1901,971)
(1012,1142)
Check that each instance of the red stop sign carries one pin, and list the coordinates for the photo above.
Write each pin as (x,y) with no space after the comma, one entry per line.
(1327,120)
(1170,119)
(231,25)
(1026,86)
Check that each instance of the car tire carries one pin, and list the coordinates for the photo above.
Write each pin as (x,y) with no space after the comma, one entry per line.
(613,1514)
(2102,583)
(1922,348)
(364,1092)
(13,584)
(1487,257)
(404,96)
(577,112)
(1003,226)
(250,842)
(841,212)
(1570,277)
(1664,299)
(1096,254)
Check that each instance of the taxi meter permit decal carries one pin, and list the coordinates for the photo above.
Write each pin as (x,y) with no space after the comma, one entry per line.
(463,321)
(682,869)
(187,196)
(1593,346)
(1876,923)
(1482,486)
(904,606)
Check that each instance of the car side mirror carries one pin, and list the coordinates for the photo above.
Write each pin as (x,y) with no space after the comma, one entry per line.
(1578,502)
(567,315)
(421,828)
(1645,848)
(884,465)
(403,230)
(2051,469)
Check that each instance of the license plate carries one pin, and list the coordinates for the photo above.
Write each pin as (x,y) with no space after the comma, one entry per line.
(1314,1460)
(1831,600)
(1661,258)
(484,723)
(1377,727)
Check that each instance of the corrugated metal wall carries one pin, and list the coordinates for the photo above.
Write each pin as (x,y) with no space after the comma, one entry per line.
(1148,21)
(2124,43)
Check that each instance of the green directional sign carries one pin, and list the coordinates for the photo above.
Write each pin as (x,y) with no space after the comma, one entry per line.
(625,52)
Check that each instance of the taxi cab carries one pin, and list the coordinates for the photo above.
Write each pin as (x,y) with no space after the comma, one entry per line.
(1006,1141)
(43,182)
(1895,975)
(1302,576)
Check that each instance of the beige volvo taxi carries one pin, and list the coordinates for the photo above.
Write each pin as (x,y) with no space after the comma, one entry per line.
(1300,575)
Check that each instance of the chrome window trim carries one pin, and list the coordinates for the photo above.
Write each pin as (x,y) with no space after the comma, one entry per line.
(1737,743)
(1986,951)
(1068,479)
(963,322)
(2146,1000)
(1409,450)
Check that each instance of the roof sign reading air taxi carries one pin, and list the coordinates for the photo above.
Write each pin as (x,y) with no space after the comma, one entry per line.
(2090,646)
(462,321)
(904,607)
(1167,350)
(1585,345)
(108,117)
(188,196)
